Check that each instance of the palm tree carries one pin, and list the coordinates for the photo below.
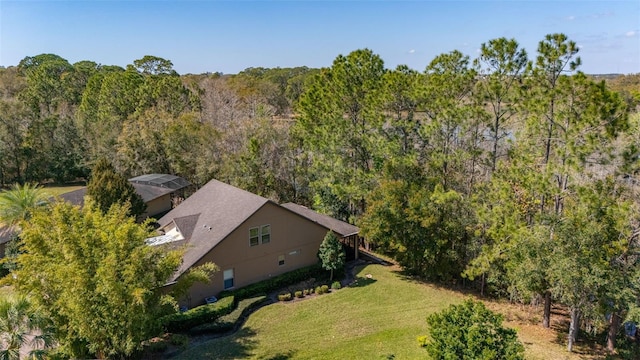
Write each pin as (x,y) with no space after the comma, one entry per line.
(18,203)
(21,328)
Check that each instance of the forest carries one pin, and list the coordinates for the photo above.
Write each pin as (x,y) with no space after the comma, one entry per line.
(512,173)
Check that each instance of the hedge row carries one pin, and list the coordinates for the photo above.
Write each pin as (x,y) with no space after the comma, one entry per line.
(227,322)
(181,322)
(275,283)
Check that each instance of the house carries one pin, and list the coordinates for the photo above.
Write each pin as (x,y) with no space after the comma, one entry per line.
(348,234)
(7,233)
(250,238)
(156,190)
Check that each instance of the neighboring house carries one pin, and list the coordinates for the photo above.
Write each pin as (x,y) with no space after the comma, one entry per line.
(7,233)
(248,237)
(156,190)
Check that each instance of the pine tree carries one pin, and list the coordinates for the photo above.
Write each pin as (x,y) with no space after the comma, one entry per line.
(107,187)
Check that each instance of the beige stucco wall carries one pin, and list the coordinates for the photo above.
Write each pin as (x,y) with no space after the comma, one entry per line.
(158,205)
(289,233)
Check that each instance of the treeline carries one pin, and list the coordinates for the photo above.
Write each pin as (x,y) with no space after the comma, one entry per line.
(517,174)
(57,119)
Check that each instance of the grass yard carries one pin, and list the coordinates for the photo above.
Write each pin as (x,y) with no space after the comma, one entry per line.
(59,190)
(377,318)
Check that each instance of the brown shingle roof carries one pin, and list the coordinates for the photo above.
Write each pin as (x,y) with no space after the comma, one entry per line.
(339,227)
(211,213)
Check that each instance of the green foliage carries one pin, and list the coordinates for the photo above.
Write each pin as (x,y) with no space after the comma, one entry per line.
(181,322)
(336,285)
(299,294)
(339,122)
(471,331)
(18,322)
(284,297)
(107,187)
(275,283)
(18,203)
(95,278)
(421,224)
(331,253)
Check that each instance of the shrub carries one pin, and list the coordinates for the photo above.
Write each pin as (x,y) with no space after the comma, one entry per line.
(305,292)
(325,289)
(180,322)
(298,294)
(157,346)
(471,331)
(336,285)
(227,322)
(284,297)
(319,290)
(275,283)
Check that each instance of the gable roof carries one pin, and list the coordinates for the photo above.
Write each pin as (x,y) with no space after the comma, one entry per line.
(339,227)
(208,216)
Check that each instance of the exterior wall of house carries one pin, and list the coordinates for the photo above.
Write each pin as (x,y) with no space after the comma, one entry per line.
(158,205)
(292,237)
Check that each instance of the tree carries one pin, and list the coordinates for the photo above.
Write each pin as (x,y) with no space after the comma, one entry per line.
(93,275)
(331,253)
(418,221)
(107,187)
(339,124)
(20,326)
(20,202)
(501,64)
(590,245)
(471,331)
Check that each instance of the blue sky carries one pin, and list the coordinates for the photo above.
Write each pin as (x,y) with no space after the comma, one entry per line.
(229,36)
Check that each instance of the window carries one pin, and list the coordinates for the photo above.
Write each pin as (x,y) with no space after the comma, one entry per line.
(253,236)
(260,235)
(265,232)
(281,260)
(228,279)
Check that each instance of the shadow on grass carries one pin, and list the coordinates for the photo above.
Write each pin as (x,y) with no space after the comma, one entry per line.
(361,281)
(283,356)
(237,346)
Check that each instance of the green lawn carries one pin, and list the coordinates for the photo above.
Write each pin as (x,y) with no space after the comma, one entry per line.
(59,190)
(376,319)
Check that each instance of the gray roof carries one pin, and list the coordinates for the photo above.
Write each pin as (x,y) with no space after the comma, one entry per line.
(7,233)
(208,216)
(161,180)
(75,197)
(151,192)
(339,227)
(148,192)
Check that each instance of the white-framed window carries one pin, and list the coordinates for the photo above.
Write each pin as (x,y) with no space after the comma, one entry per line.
(265,234)
(254,236)
(228,278)
(260,235)
(280,260)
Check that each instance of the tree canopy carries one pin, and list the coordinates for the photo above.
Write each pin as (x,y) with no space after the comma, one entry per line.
(107,188)
(95,278)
